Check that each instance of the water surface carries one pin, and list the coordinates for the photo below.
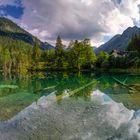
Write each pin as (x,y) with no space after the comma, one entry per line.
(62,106)
(18,92)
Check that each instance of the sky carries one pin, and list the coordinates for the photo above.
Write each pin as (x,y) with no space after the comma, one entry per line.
(98,20)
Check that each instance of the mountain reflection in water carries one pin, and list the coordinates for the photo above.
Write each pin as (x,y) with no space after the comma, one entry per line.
(101,119)
(18,92)
(69,106)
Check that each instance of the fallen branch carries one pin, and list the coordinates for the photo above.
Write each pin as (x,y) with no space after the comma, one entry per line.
(44,89)
(130,87)
(74,91)
(118,81)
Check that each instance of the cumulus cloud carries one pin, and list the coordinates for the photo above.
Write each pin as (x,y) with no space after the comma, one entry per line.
(78,19)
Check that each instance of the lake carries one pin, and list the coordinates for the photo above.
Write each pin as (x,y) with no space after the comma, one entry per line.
(69,106)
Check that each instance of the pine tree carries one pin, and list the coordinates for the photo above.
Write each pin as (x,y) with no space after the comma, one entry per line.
(36,54)
(81,55)
(134,44)
(59,53)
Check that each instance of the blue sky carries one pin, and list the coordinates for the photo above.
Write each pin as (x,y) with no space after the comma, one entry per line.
(13,11)
(73,19)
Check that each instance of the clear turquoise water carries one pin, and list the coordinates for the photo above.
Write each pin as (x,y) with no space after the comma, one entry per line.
(18,92)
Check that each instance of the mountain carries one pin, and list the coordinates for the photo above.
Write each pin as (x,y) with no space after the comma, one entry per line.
(10,29)
(47,46)
(120,41)
(94,48)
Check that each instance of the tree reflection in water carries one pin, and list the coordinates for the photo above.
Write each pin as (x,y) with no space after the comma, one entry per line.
(19,91)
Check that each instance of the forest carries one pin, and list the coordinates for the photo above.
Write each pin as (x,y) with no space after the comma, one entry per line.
(21,57)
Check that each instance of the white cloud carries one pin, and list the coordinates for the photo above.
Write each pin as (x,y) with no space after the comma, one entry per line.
(8,2)
(79,19)
(117,22)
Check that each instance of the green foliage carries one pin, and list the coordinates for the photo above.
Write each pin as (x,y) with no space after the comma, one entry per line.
(81,55)
(78,55)
(21,57)
(134,44)
(102,60)
(118,62)
(133,59)
(59,53)
(15,55)
(36,55)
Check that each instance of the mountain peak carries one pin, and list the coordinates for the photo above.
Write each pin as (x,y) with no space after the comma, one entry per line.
(4,18)
(131,29)
(119,42)
(9,26)
(10,29)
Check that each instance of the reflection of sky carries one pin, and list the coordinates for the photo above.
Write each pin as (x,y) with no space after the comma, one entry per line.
(100,97)
(13,11)
(71,119)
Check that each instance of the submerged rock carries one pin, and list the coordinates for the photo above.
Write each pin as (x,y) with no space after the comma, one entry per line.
(98,119)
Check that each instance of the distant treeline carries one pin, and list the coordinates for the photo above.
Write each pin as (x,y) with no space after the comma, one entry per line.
(18,56)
